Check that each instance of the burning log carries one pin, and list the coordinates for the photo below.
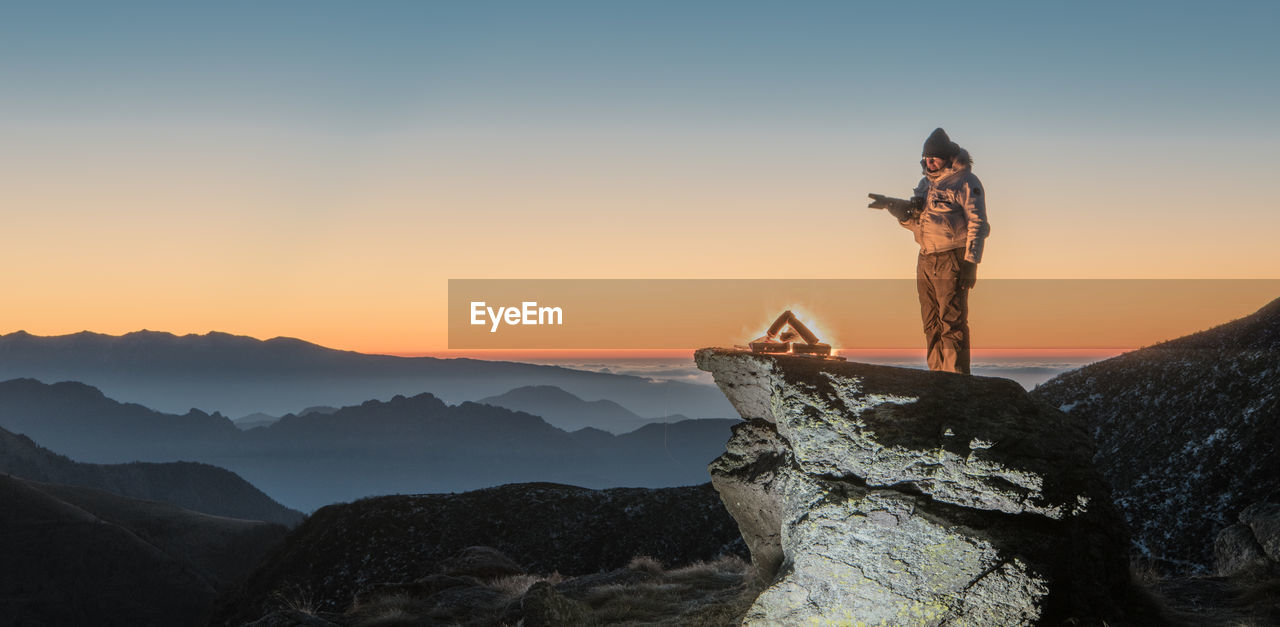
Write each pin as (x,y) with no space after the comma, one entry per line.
(789,319)
(766,345)
(781,336)
(819,349)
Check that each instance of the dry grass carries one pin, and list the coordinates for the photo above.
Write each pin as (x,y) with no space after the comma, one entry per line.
(719,592)
(389,610)
(1217,601)
(390,616)
(514,586)
(730,566)
(1262,597)
(295,597)
(1144,572)
(1256,591)
(645,564)
(703,594)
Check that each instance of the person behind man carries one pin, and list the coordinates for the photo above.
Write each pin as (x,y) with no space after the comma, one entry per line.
(948,216)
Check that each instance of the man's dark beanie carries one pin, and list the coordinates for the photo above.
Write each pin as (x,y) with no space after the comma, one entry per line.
(940,146)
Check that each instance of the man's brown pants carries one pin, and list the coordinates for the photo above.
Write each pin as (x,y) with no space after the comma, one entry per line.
(944,309)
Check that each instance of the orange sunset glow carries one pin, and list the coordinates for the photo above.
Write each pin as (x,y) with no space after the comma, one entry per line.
(294,204)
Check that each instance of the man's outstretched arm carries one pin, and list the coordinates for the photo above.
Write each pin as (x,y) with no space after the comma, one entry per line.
(899,208)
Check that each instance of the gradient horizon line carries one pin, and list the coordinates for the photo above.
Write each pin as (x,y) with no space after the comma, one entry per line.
(669,353)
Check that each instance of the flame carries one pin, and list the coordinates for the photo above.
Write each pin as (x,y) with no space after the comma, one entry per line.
(810,320)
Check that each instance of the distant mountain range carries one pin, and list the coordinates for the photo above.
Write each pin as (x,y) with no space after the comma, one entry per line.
(559,408)
(259,419)
(77,556)
(238,375)
(566,411)
(256,419)
(405,445)
(197,487)
(1188,432)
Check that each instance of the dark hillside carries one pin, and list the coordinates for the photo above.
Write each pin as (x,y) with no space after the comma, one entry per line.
(344,549)
(74,556)
(197,487)
(1188,432)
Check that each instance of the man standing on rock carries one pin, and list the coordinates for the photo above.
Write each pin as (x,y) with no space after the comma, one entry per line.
(948,216)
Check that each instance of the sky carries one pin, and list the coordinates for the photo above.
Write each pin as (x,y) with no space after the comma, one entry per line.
(320,170)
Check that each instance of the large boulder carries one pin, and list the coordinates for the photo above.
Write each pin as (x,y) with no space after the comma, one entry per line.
(1250,547)
(880,495)
(1236,552)
(1264,521)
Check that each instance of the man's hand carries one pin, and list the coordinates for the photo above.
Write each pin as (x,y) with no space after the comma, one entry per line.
(968,275)
(879,201)
(897,207)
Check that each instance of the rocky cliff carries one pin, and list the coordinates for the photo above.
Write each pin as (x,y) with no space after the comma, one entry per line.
(881,495)
(1188,432)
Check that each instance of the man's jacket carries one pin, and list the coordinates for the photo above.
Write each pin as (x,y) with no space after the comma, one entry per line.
(954,212)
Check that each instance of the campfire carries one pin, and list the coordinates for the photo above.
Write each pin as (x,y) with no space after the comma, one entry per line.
(788,335)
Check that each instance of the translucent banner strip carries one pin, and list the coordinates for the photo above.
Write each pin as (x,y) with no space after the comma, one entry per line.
(845,313)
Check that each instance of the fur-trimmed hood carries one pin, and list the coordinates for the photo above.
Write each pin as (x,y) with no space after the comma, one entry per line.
(959,163)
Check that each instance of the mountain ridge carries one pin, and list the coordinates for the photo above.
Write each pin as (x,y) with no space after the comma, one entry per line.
(569,412)
(239,375)
(1188,432)
(405,444)
(194,486)
(1259,330)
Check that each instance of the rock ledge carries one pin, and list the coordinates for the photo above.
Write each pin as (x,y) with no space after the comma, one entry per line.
(882,495)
